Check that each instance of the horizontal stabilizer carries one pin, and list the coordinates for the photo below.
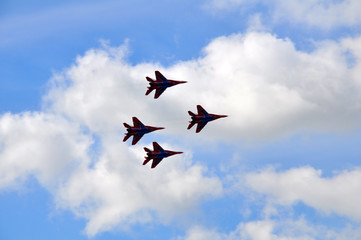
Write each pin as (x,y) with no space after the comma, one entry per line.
(192,114)
(191,124)
(126,137)
(126,125)
(146,161)
(149,90)
(147,149)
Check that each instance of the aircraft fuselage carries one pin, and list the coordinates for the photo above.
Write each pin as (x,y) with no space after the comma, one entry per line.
(206,118)
(161,155)
(140,130)
(168,83)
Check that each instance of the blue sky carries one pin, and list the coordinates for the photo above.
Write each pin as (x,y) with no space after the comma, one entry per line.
(283,165)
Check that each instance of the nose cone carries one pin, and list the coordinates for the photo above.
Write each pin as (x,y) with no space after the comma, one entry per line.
(179,82)
(173,153)
(158,128)
(222,116)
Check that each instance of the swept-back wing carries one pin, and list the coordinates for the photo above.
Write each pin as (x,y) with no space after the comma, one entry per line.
(157,147)
(200,126)
(158,92)
(126,137)
(201,110)
(156,162)
(137,123)
(136,138)
(160,77)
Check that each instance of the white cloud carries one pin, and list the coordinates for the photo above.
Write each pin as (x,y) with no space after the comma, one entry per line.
(201,233)
(116,191)
(268,88)
(325,14)
(267,229)
(321,13)
(119,191)
(110,188)
(338,194)
(40,145)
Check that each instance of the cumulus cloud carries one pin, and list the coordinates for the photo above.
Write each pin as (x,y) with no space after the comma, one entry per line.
(319,13)
(264,83)
(116,190)
(338,194)
(104,183)
(273,229)
(41,145)
(119,191)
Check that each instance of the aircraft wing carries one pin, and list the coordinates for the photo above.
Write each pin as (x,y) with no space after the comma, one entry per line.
(200,126)
(137,123)
(126,137)
(158,92)
(156,161)
(191,125)
(159,77)
(136,138)
(201,110)
(157,147)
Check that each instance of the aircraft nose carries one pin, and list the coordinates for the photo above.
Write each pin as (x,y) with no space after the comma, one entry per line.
(173,153)
(179,82)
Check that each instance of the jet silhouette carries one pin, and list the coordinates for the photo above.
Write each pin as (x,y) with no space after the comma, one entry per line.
(157,154)
(138,130)
(160,84)
(202,118)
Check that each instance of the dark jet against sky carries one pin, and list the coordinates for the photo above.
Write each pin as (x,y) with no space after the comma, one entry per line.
(160,84)
(138,130)
(202,118)
(157,154)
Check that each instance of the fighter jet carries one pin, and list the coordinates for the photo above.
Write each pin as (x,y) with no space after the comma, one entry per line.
(202,118)
(160,84)
(157,154)
(138,130)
